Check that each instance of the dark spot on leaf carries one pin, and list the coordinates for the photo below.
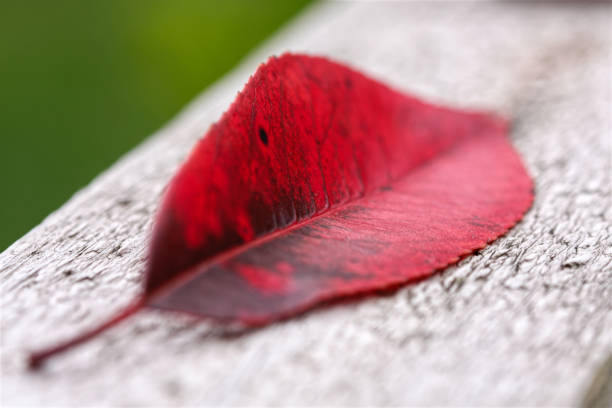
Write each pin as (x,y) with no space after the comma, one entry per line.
(263,136)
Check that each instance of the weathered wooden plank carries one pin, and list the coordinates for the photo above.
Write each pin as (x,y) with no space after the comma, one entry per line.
(525,321)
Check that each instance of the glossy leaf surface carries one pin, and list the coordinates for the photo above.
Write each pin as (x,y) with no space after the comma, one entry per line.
(323,183)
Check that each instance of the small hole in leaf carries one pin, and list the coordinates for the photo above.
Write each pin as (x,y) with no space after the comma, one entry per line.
(263,136)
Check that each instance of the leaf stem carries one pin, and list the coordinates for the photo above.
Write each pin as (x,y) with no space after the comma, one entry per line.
(36,359)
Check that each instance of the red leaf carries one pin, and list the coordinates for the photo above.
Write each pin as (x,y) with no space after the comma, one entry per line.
(320,183)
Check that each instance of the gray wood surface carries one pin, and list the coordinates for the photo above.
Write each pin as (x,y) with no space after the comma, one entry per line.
(524,322)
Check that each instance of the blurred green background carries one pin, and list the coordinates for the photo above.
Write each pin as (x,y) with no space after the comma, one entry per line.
(84,81)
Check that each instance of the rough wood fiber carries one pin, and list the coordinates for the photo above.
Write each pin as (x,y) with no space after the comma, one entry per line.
(525,321)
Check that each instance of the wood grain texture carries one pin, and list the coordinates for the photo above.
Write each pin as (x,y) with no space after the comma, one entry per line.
(524,322)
